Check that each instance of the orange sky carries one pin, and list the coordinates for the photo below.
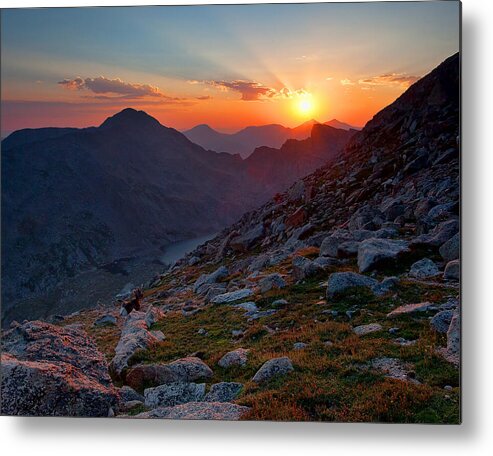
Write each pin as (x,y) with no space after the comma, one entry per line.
(227,66)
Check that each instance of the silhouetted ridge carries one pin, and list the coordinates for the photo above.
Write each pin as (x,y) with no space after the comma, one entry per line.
(130,118)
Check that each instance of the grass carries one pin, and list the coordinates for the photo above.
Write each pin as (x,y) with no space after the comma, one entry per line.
(329,382)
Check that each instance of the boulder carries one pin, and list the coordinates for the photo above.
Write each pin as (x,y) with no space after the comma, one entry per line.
(223,392)
(184,370)
(273,368)
(452,270)
(330,245)
(438,236)
(271,281)
(380,253)
(297,218)
(232,296)
(423,269)
(128,394)
(198,411)
(450,250)
(174,394)
(208,279)
(441,321)
(49,370)
(245,241)
(135,336)
(304,268)
(341,282)
(238,357)
(348,249)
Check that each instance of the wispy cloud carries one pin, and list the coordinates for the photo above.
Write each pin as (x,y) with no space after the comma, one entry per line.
(121,89)
(347,82)
(251,90)
(395,79)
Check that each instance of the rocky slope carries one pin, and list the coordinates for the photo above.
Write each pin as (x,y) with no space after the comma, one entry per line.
(75,200)
(336,301)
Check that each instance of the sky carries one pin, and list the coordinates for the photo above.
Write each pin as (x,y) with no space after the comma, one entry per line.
(226,66)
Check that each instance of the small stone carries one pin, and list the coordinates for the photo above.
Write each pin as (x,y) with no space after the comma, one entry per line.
(299,345)
(232,296)
(106,320)
(410,308)
(367,329)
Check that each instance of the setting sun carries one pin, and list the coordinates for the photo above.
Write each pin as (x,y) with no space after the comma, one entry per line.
(305,106)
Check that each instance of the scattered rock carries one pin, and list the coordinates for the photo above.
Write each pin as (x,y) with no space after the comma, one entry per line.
(128,394)
(174,394)
(299,346)
(135,336)
(207,279)
(246,241)
(106,320)
(379,253)
(232,296)
(198,411)
(304,268)
(340,282)
(249,306)
(452,352)
(367,329)
(184,370)
(273,368)
(394,368)
(450,250)
(410,308)
(441,321)
(271,281)
(423,269)
(238,357)
(224,392)
(452,270)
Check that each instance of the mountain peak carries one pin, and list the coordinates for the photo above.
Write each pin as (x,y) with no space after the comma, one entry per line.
(130,118)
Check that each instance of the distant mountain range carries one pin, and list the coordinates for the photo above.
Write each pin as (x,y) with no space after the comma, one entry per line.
(76,199)
(245,141)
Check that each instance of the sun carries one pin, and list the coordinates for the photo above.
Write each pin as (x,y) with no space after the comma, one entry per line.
(305,105)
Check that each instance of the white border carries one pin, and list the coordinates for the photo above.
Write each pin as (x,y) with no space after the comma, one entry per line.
(88,437)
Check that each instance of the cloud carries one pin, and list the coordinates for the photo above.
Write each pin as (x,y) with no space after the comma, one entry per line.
(204,97)
(251,90)
(329,78)
(121,89)
(390,79)
(347,82)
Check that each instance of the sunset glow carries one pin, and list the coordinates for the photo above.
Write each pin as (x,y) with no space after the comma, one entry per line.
(338,64)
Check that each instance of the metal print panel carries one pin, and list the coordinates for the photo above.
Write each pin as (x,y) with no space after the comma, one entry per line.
(241,212)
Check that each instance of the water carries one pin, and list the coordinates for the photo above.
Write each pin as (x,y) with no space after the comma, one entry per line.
(178,250)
